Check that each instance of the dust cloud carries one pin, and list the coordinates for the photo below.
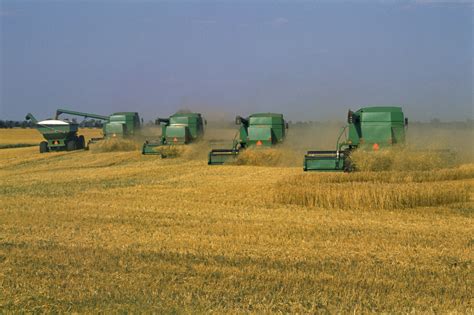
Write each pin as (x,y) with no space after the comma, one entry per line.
(221,131)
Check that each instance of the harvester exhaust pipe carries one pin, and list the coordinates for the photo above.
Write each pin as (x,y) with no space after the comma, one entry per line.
(349,116)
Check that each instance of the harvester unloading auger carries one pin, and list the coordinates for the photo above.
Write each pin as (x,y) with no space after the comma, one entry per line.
(370,128)
(258,130)
(121,124)
(180,128)
(59,135)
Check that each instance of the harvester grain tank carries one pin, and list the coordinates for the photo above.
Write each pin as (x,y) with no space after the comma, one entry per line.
(180,128)
(121,124)
(371,128)
(59,135)
(258,130)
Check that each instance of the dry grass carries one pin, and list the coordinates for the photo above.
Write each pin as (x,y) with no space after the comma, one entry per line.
(403,159)
(277,156)
(17,145)
(171,151)
(377,190)
(20,135)
(32,136)
(450,174)
(118,231)
(364,196)
(260,157)
(193,151)
(114,145)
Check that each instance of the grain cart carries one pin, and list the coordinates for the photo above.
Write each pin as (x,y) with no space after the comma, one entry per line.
(121,124)
(59,135)
(258,130)
(180,128)
(370,128)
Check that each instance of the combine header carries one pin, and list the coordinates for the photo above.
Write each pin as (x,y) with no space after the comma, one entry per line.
(370,128)
(258,130)
(180,128)
(60,135)
(121,124)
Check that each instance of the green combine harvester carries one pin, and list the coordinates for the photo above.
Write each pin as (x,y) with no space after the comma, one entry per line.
(121,124)
(371,128)
(258,130)
(60,135)
(178,129)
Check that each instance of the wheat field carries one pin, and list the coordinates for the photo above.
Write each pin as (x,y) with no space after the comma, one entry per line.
(90,231)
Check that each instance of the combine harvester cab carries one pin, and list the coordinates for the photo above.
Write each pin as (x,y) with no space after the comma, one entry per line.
(179,129)
(369,128)
(261,130)
(120,125)
(60,135)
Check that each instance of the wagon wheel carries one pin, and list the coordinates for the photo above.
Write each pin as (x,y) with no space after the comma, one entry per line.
(71,145)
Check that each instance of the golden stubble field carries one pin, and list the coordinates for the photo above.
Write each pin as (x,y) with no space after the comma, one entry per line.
(117,231)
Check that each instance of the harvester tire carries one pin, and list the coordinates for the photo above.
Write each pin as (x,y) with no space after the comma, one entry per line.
(81,142)
(43,147)
(71,145)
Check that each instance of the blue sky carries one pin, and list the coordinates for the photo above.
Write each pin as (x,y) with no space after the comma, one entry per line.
(306,59)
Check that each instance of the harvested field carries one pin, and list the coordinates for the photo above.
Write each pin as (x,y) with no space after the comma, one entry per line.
(88,231)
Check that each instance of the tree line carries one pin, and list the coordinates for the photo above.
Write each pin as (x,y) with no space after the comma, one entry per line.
(4,124)
(92,123)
